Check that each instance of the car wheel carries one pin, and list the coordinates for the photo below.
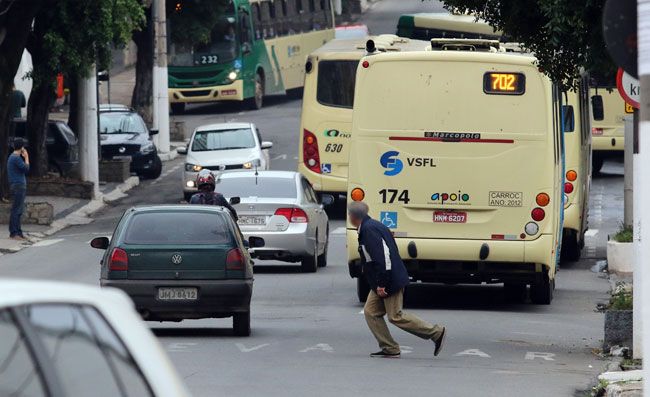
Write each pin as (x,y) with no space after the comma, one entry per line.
(541,292)
(241,324)
(515,293)
(155,172)
(178,108)
(322,259)
(257,100)
(309,263)
(597,164)
(363,289)
(571,247)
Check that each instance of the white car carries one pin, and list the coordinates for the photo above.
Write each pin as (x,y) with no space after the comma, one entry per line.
(61,339)
(223,147)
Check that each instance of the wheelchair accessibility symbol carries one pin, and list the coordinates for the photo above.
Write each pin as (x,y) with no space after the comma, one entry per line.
(389,219)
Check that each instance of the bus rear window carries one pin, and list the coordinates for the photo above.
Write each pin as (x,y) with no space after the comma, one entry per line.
(336,83)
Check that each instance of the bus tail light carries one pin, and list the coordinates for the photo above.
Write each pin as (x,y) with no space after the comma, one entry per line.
(542,199)
(596,131)
(357,194)
(365,64)
(293,215)
(537,214)
(119,261)
(310,154)
(571,175)
(568,188)
(235,260)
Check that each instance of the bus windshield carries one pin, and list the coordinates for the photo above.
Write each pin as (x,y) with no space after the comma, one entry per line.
(222,47)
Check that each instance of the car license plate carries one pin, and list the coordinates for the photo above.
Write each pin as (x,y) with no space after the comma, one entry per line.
(177,294)
(449,217)
(252,220)
(121,157)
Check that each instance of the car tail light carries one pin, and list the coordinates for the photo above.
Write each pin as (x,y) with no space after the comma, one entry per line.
(357,194)
(596,131)
(293,215)
(571,175)
(537,214)
(310,154)
(542,199)
(119,260)
(568,188)
(235,260)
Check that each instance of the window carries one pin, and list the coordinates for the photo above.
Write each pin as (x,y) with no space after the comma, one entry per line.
(299,6)
(259,136)
(269,187)
(19,375)
(198,227)
(335,85)
(272,9)
(223,140)
(568,118)
(257,16)
(82,368)
(324,4)
(245,28)
(312,6)
(284,8)
(121,123)
(308,192)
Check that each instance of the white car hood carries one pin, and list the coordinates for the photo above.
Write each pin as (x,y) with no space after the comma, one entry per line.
(222,157)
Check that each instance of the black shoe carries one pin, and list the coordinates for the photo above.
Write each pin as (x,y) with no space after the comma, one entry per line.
(383,354)
(439,342)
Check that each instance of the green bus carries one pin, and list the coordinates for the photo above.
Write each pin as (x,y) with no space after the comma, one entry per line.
(426,26)
(258,47)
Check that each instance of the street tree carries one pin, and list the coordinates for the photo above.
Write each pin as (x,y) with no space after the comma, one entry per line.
(68,38)
(190,21)
(565,35)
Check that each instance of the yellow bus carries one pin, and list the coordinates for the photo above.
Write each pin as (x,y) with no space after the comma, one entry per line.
(462,157)
(257,48)
(426,26)
(608,126)
(577,143)
(326,120)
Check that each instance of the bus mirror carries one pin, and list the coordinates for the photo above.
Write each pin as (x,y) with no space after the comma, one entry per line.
(597,107)
(370,46)
(568,118)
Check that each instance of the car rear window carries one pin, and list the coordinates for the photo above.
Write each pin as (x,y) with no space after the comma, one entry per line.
(153,228)
(336,83)
(270,187)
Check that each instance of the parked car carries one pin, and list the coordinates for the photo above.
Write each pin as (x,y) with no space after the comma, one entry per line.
(228,146)
(124,134)
(181,262)
(281,207)
(62,339)
(61,144)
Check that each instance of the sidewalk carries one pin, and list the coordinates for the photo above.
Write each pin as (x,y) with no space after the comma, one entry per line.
(67,212)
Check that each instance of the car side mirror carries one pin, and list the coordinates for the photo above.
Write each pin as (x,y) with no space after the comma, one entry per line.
(597,107)
(235,200)
(327,199)
(153,132)
(266,145)
(256,242)
(181,150)
(101,243)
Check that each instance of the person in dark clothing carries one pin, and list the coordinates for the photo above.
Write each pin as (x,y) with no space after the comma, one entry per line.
(17,168)
(17,101)
(206,184)
(386,275)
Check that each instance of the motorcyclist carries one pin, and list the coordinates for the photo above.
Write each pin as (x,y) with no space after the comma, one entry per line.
(206,184)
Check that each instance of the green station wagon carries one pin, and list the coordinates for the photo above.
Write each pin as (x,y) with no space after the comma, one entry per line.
(181,262)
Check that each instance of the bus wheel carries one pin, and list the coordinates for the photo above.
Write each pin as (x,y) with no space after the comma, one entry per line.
(597,164)
(571,247)
(541,292)
(515,293)
(363,289)
(256,102)
(178,108)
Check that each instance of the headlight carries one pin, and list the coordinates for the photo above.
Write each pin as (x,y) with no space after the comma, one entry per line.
(192,167)
(251,164)
(232,75)
(189,183)
(147,148)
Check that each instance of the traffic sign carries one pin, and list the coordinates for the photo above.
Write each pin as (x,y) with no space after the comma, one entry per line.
(628,87)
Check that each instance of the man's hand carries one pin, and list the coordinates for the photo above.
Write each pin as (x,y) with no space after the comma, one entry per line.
(381,292)
(25,155)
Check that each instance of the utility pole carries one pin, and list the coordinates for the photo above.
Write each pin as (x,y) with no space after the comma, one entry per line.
(643,186)
(628,189)
(88,136)
(160,90)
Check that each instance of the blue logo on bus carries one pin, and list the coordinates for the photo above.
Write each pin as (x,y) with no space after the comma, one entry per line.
(392,164)
(389,219)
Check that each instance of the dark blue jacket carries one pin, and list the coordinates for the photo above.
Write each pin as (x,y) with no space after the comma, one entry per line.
(213,198)
(16,170)
(382,264)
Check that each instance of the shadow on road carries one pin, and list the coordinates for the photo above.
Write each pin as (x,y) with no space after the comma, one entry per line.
(261,268)
(337,210)
(194,331)
(233,107)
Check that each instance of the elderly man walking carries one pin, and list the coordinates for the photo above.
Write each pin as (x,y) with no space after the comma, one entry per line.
(387,276)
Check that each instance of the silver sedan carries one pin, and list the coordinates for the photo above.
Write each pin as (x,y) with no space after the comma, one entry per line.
(283,209)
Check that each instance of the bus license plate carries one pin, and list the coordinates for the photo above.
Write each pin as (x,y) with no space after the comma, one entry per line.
(449,217)
(252,220)
(177,294)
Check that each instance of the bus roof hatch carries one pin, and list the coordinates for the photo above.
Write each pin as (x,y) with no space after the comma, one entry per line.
(465,45)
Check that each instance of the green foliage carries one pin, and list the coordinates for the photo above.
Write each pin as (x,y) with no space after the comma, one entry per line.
(624,235)
(565,35)
(191,21)
(621,298)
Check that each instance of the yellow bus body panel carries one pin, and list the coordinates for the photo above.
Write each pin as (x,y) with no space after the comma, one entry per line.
(613,125)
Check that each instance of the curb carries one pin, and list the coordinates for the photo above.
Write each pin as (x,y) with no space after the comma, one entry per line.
(169,156)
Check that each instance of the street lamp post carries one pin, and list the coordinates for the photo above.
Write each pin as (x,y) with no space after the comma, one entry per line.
(160,90)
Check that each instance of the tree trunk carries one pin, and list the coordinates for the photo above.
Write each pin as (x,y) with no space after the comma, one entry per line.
(38,111)
(142,98)
(73,113)
(17,20)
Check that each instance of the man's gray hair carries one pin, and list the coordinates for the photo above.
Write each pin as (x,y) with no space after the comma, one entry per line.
(358,209)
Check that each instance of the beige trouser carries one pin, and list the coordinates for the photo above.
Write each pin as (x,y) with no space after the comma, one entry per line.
(377,307)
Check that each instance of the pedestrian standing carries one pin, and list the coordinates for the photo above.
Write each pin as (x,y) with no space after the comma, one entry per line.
(17,168)
(386,275)
(16,103)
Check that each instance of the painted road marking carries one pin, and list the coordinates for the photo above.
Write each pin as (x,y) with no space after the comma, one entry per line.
(280,157)
(242,348)
(167,173)
(473,352)
(319,347)
(179,347)
(339,230)
(591,232)
(542,355)
(46,243)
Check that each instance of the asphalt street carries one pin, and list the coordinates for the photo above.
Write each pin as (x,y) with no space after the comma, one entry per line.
(309,335)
